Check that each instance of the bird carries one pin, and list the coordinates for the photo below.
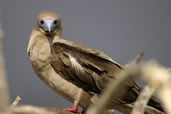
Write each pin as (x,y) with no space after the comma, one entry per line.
(39,51)
(77,64)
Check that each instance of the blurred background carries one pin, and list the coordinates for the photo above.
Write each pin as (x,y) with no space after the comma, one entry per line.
(120,28)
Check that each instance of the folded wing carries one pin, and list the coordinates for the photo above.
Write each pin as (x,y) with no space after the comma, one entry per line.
(85,67)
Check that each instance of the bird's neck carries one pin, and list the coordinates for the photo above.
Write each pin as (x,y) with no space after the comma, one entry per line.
(57,38)
(53,39)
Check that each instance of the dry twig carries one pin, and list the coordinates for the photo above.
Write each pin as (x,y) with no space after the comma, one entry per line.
(143,98)
(136,60)
(16,101)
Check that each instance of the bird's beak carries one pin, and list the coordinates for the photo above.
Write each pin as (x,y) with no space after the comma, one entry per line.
(48,25)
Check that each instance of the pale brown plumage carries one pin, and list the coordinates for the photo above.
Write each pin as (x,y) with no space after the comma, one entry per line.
(39,52)
(85,67)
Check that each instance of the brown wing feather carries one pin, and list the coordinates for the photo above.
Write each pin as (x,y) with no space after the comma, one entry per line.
(98,67)
(86,49)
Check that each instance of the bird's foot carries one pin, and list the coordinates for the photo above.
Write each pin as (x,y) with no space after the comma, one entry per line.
(73,109)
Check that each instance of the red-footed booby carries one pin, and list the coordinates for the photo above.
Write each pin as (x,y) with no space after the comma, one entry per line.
(68,67)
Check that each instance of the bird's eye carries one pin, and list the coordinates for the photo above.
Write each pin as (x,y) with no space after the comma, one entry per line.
(55,22)
(42,22)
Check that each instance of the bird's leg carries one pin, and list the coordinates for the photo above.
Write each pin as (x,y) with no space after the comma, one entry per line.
(73,109)
(76,103)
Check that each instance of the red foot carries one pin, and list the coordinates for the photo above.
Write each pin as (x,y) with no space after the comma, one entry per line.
(74,109)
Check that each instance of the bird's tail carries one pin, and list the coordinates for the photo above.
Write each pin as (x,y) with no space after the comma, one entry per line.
(133,92)
(155,103)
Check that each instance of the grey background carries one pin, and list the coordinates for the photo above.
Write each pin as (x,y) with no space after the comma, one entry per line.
(120,28)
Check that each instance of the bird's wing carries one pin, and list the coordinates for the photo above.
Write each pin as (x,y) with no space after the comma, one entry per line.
(85,49)
(85,67)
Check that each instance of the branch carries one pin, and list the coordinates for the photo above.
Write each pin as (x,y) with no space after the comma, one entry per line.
(36,110)
(136,60)
(159,78)
(4,96)
(143,98)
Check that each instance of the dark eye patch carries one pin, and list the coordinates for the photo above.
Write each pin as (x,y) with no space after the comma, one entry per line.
(55,22)
(42,22)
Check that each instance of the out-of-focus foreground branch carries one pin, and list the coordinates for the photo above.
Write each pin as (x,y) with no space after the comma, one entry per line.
(142,100)
(4,96)
(155,75)
(159,77)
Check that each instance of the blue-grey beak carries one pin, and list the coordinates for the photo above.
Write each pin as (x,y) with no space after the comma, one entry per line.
(48,25)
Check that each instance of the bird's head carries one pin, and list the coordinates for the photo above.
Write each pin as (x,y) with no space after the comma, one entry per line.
(49,23)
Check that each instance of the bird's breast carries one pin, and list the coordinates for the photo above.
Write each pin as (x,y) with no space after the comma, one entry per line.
(39,54)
